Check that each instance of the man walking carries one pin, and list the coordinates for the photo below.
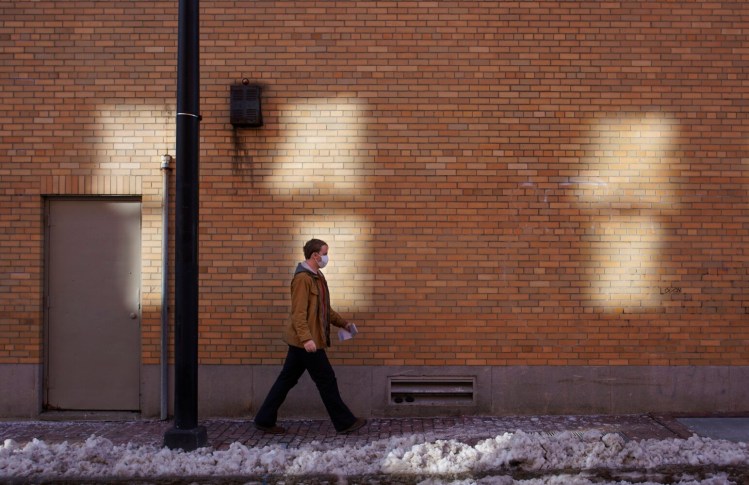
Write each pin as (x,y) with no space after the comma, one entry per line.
(308,335)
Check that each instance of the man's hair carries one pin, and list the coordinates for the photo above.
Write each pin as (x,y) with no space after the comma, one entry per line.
(313,246)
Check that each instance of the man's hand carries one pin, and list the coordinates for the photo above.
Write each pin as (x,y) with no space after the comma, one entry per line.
(310,346)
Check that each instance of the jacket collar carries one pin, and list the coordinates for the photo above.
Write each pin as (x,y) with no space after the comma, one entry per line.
(303,268)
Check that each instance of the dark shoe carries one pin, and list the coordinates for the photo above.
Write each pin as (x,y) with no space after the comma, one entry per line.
(357,424)
(271,429)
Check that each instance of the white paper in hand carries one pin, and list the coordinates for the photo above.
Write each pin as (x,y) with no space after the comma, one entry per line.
(344,334)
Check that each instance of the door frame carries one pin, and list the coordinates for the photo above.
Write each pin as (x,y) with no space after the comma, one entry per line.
(47,202)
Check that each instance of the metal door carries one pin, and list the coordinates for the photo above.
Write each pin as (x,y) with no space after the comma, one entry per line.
(93,305)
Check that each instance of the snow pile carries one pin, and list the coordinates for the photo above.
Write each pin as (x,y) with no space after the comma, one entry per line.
(532,452)
(581,479)
(418,455)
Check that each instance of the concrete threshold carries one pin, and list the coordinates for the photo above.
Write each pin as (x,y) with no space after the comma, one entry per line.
(89,416)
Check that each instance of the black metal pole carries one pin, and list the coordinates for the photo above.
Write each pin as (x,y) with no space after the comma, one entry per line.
(186,434)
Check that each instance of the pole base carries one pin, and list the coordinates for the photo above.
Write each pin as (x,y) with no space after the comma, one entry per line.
(186,439)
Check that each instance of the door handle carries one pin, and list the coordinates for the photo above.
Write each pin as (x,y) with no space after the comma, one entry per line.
(133,316)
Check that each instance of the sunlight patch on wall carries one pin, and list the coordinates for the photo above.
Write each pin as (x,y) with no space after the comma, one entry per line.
(320,147)
(349,237)
(319,157)
(124,144)
(130,139)
(624,265)
(629,163)
(628,169)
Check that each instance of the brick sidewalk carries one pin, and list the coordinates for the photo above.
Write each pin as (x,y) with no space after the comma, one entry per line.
(223,432)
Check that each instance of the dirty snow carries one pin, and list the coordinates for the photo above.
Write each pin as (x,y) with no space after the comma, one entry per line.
(422,455)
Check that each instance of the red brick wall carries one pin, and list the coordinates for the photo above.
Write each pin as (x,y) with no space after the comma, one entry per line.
(501,183)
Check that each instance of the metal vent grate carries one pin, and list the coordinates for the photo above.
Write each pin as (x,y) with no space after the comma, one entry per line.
(245,106)
(433,391)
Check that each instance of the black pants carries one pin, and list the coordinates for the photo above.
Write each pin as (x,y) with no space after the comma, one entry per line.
(316,363)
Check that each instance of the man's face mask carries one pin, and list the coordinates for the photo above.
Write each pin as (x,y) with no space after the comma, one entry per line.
(323,261)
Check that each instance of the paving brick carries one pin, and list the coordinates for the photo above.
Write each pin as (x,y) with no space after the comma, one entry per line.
(224,432)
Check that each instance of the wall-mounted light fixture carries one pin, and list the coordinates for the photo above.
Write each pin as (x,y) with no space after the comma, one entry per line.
(245,105)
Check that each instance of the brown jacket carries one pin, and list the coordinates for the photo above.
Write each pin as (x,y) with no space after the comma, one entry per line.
(306,316)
